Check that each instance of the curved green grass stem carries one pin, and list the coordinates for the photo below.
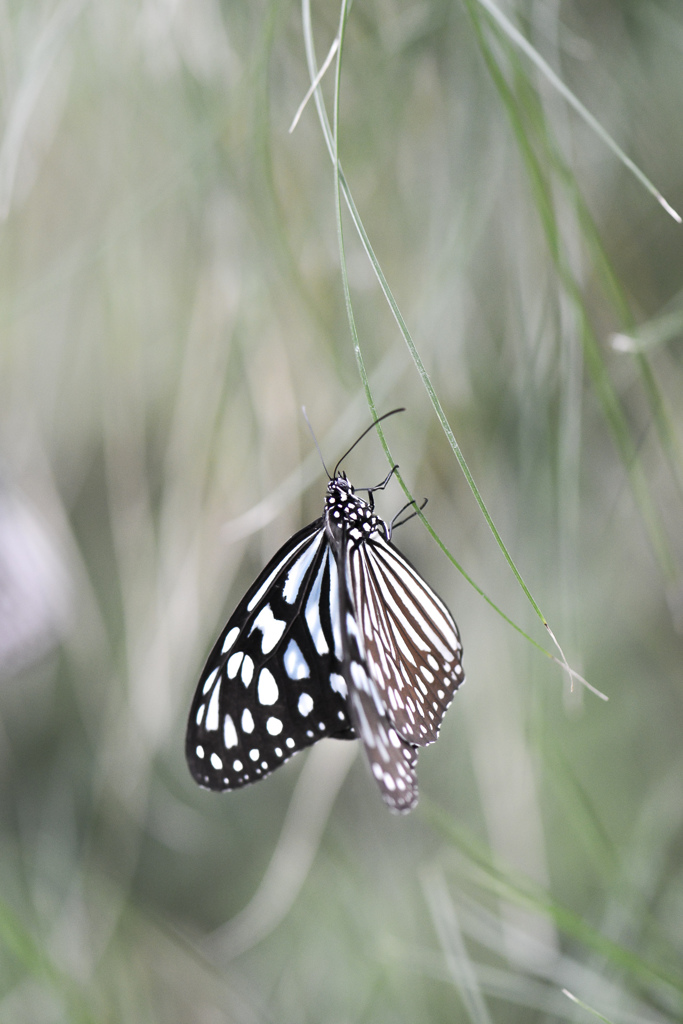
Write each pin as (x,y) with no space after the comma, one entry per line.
(331,136)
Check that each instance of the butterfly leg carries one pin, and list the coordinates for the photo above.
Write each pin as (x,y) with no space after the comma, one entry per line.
(377,487)
(393,524)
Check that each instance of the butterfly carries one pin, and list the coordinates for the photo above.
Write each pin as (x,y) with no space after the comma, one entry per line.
(339,636)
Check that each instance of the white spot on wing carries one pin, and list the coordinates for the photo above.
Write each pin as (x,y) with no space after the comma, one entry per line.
(305,704)
(264,586)
(335,617)
(230,638)
(234,662)
(274,727)
(312,614)
(298,571)
(216,762)
(208,682)
(229,732)
(247,721)
(271,628)
(247,670)
(295,663)
(268,692)
(211,722)
(351,627)
(338,684)
(360,677)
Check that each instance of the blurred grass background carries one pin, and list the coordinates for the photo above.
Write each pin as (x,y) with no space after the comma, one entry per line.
(170,296)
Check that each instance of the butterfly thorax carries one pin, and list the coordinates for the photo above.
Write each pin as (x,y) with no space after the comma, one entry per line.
(347,515)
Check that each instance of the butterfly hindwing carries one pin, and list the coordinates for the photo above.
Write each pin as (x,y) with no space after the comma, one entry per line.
(392,759)
(274,682)
(410,642)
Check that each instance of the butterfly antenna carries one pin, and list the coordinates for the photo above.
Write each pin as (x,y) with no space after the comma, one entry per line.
(366,431)
(315,440)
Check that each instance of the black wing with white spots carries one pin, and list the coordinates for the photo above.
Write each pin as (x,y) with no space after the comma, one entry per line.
(339,636)
(274,682)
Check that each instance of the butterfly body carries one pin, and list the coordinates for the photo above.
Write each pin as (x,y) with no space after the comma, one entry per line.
(349,517)
(339,636)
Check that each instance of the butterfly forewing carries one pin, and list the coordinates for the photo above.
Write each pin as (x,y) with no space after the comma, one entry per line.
(411,643)
(274,682)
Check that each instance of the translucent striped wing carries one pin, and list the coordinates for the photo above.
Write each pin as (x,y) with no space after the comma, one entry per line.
(274,682)
(408,639)
(392,759)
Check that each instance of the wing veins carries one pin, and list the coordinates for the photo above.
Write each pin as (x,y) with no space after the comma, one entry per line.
(417,718)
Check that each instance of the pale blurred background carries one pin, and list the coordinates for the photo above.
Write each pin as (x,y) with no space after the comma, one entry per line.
(170,296)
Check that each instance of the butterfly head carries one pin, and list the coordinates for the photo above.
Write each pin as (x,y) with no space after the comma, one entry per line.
(347,514)
(340,494)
